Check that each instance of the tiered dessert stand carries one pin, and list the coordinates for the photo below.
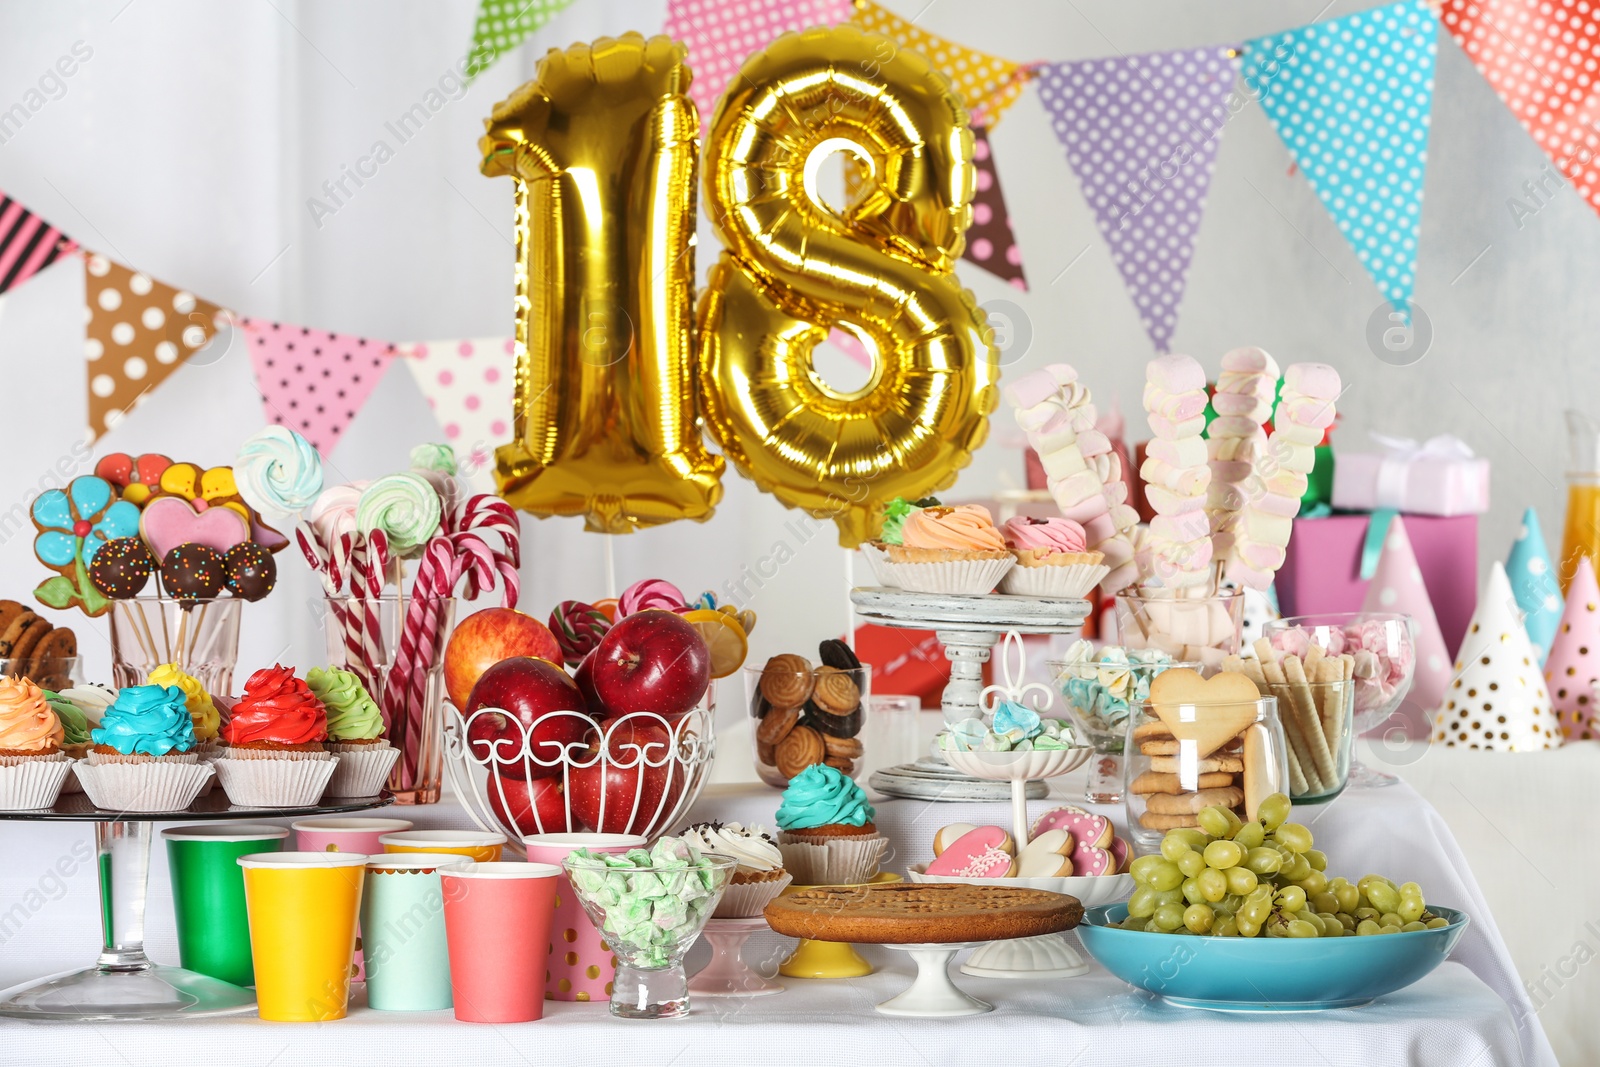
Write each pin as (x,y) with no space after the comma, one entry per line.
(123,983)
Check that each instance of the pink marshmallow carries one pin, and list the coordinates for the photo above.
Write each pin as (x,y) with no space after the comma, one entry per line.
(1085,509)
(1182,528)
(1120,578)
(1312,379)
(1229,470)
(1306,411)
(1233,426)
(1248,407)
(1248,576)
(1032,389)
(1099,528)
(1260,556)
(1176,406)
(1063,373)
(1180,452)
(1175,373)
(1190,481)
(1250,361)
(1172,431)
(1166,502)
(1093,443)
(1124,517)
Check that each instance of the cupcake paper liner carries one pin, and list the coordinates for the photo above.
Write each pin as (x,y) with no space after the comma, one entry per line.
(139,759)
(832,860)
(965,577)
(152,786)
(1071,581)
(362,770)
(29,782)
(275,783)
(882,569)
(230,752)
(745,900)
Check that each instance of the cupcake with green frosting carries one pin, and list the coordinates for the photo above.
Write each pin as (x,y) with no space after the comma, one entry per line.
(895,513)
(355,733)
(74,725)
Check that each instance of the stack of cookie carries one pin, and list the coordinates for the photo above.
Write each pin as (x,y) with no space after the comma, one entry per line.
(32,647)
(1174,797)
(809,714)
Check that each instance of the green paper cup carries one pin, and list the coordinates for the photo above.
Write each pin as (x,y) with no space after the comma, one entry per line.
(208,894)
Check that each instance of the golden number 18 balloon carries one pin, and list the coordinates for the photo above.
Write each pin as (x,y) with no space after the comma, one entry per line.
(882,269)
(603,144)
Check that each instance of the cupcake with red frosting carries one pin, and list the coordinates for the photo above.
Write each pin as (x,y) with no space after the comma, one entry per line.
(273,743)
(1053,558)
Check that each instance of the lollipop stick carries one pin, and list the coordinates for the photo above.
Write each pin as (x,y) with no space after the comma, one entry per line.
(182,659)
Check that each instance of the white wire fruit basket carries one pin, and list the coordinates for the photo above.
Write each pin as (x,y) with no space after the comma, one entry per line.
(638,773)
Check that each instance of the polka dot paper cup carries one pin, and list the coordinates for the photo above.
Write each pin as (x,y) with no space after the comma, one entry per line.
(581,965)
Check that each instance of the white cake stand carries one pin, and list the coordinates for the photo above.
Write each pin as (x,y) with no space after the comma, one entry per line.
(1019,768)
(933,993)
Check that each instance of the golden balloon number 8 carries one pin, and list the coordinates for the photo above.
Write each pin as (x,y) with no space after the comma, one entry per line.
(793,269)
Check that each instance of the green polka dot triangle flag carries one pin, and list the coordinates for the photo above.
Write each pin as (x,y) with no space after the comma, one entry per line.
(504,24)
(1351,99)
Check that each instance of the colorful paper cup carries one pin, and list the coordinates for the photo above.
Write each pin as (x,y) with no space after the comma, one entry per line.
(346,835)
(303,908)
(402,929)
(208,894)
(497,919)
(579,966)
(479,845)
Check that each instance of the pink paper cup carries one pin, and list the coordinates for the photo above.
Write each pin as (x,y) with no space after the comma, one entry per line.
(497,922)
(579,966)
(347,835)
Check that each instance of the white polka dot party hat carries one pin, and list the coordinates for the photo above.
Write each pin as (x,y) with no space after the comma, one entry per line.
(1397,587)
(1498,698)
(1574,661)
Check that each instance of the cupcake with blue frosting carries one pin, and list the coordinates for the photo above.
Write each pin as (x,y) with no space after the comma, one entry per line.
(142,754)
(826,831)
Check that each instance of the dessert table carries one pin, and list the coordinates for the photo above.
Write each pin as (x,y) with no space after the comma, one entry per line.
(1472,1010)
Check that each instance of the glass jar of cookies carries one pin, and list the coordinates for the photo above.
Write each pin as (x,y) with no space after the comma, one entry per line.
(805,711)
(1211,747)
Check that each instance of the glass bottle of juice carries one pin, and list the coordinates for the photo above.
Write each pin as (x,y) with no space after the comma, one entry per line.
(1581,536)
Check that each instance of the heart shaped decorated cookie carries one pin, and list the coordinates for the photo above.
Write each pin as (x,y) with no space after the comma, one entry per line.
(1206,712)
(983,852)
(170,521)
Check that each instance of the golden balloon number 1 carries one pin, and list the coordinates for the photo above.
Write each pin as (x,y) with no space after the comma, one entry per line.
(793,269)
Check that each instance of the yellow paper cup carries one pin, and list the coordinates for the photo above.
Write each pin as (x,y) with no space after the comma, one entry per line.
(482,846)
(303,908)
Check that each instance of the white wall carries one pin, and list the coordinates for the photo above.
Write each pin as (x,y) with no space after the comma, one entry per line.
(189,143)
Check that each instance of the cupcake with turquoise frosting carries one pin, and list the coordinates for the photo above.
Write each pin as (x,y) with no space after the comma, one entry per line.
(355,733)
(826,831)
(142,754)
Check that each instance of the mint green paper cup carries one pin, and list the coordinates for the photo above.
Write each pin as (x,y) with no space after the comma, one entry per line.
(403,934)
(208,894)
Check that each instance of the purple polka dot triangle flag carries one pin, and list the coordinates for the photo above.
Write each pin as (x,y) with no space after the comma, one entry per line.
(468,383)
(312,381)
(1352,98)
(1141,134)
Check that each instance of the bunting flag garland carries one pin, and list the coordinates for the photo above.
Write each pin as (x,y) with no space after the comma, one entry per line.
(722,33)
(503,25)
(28,244)
(1163,113)
(1352,100)
(139,331)
(1540,58)
(313,381)
(468,384)
(990,241)
(987,84)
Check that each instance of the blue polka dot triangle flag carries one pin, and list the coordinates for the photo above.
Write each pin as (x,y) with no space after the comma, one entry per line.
(1141,134)
(1351,99)
(1534,584)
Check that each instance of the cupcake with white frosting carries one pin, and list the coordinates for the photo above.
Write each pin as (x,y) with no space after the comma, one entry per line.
(760,876)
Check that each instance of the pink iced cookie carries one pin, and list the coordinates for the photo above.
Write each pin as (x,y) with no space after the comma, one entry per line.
(1087,829)
(1175,373)
(1091,862)
(949,835)
(169,521)
(1120,853)
(981,853)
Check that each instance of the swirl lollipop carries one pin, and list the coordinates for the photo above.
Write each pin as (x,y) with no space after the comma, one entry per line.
(578,628)
(405,507)
(278,471)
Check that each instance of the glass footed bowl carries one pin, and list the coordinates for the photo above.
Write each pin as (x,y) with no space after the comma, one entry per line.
(650,916)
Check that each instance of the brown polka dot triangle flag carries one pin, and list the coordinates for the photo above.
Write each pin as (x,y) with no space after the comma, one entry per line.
(140,330)
(990,242)
(1574,662)
(1498,699)
(313,381)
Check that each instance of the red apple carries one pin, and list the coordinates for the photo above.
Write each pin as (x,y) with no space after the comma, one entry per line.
(651,661)
(584,676)
(536,807)
(531,699)
(620,785)
(486,637)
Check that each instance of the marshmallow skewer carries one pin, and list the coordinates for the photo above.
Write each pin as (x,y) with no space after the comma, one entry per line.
(1243,400)
(1176,474)
(1084,474)
(1306,408)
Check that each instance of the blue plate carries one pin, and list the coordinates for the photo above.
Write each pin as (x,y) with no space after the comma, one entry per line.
(1266,973)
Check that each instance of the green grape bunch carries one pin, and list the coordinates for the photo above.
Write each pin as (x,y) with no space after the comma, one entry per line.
(1231,878)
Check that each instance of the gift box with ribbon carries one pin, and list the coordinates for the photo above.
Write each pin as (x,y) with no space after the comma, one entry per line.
(1439,476)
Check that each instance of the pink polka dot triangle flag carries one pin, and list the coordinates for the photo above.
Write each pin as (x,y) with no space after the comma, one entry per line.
(1540,58)
(1498,699)
(1397,586)
(722,33)
(1141,134)
(1534,584)
(1352,98)
(312,381)
(1574,662)
(468,384)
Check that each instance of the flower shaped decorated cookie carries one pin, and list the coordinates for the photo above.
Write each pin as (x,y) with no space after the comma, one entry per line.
(73,524)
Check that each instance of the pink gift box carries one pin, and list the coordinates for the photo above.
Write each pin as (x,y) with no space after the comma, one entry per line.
(1322,571)
(1440,476)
